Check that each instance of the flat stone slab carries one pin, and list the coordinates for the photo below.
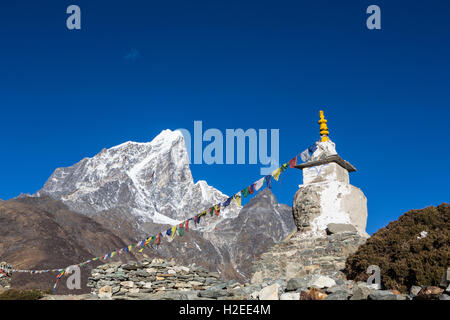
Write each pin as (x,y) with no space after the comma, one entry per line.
(334,228)
(332,158)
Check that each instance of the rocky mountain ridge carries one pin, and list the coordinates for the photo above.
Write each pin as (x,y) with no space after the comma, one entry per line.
(151,181)
(140,189)
(41,233)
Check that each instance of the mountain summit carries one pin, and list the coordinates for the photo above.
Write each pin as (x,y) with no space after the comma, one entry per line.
(139,189)
(150,182)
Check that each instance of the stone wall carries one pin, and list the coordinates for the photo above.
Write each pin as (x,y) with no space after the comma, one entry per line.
(303,256)
(151,279)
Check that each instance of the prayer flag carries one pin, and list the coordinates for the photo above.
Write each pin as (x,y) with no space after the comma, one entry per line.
(227,202)
(181,230)
(305,155)
(238,198)
(174,230)
(293,162)
(276,173)
(259,184)
(268,179)
(217,209)
(312,148)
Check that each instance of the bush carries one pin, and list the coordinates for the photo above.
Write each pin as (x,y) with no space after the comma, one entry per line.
(404,259)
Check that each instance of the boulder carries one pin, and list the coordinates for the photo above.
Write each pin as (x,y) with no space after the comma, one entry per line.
(312,294)
(414,291)
(212,293)
(385,295)
(429,293)
(147,285)
(297,283)
(360,293)
(105,292)
(254,295)
(337,288)
(290,296)
(338,295)
(130,266)
(127,284)
(322,282)
(269,292)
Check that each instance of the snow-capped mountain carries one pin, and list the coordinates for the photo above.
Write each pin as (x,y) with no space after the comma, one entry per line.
(140,189)
(152,181)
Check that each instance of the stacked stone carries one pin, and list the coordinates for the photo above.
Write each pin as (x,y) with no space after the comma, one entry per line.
(320,287)
(302,256)
(159,279)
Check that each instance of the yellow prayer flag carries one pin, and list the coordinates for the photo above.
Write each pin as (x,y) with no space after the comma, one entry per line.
(276,174)
(174,230)
(237,197)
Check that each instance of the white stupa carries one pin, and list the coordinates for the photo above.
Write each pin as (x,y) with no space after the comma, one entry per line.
(326,199)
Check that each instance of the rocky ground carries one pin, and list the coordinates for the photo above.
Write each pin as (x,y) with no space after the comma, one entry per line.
(310,270)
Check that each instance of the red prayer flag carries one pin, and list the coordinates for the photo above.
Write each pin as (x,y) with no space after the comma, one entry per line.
(293,162)
(186,225)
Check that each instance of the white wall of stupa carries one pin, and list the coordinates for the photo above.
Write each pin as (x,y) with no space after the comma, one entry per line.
(326,196)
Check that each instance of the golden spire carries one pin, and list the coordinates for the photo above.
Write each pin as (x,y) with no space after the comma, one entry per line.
(323,127)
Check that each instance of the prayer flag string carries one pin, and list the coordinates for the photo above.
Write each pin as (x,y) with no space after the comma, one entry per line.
(183,227)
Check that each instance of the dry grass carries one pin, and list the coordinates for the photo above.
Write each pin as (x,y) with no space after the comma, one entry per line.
(14,294)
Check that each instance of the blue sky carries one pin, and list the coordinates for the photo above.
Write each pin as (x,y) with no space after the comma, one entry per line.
(138,67)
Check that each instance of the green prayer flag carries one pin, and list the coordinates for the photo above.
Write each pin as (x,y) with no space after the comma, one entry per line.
(245,192)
